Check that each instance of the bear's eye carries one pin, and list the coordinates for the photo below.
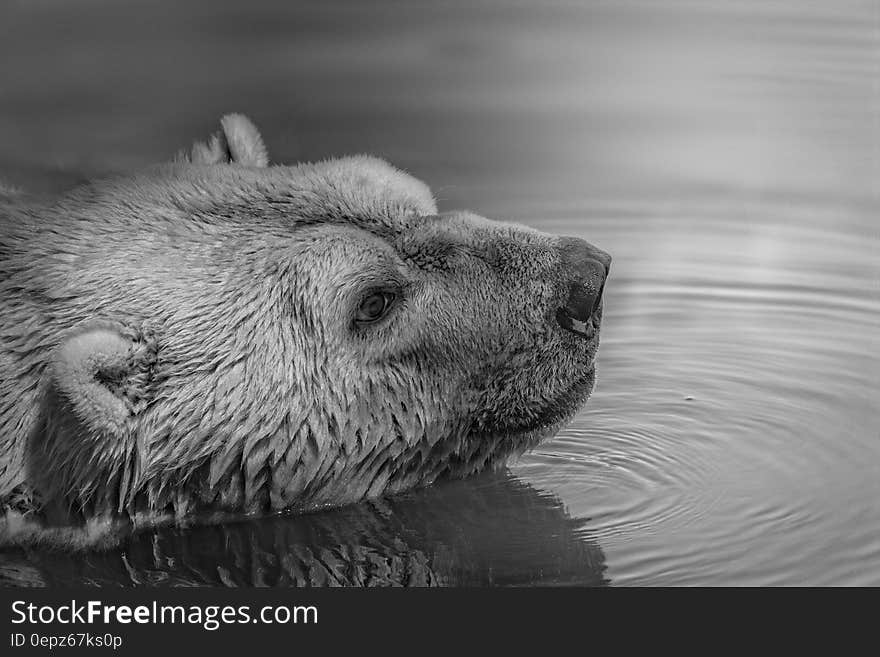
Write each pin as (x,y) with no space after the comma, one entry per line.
(374,306)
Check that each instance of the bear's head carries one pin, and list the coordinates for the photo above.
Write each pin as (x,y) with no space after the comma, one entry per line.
(227,334)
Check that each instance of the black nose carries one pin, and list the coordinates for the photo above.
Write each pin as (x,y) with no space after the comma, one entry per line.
(585,268)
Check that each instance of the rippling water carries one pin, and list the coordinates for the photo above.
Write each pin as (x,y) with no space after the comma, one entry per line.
(733,438)
(726,154)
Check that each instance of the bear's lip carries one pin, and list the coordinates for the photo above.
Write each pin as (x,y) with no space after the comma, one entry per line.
(565,405)
(570,400)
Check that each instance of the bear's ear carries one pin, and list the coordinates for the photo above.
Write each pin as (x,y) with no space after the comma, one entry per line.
(100,379)
(101,373)
(237,142)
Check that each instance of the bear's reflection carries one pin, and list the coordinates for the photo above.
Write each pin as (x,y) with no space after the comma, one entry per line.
(489,530)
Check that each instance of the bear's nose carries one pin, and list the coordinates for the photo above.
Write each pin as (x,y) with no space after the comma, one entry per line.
(586,268)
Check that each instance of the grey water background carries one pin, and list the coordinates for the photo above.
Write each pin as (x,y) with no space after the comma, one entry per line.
(727,154)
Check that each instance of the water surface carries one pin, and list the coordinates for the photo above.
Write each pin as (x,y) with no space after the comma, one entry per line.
(726,154)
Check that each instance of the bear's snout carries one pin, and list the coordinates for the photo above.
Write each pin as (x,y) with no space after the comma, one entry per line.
(586,268)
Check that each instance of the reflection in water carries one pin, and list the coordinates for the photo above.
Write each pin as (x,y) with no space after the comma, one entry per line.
(491,530)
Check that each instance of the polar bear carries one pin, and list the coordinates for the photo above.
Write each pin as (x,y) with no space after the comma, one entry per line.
(217,335)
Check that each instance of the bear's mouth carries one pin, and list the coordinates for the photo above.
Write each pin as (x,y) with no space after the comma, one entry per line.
(548,419)
(566,403)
